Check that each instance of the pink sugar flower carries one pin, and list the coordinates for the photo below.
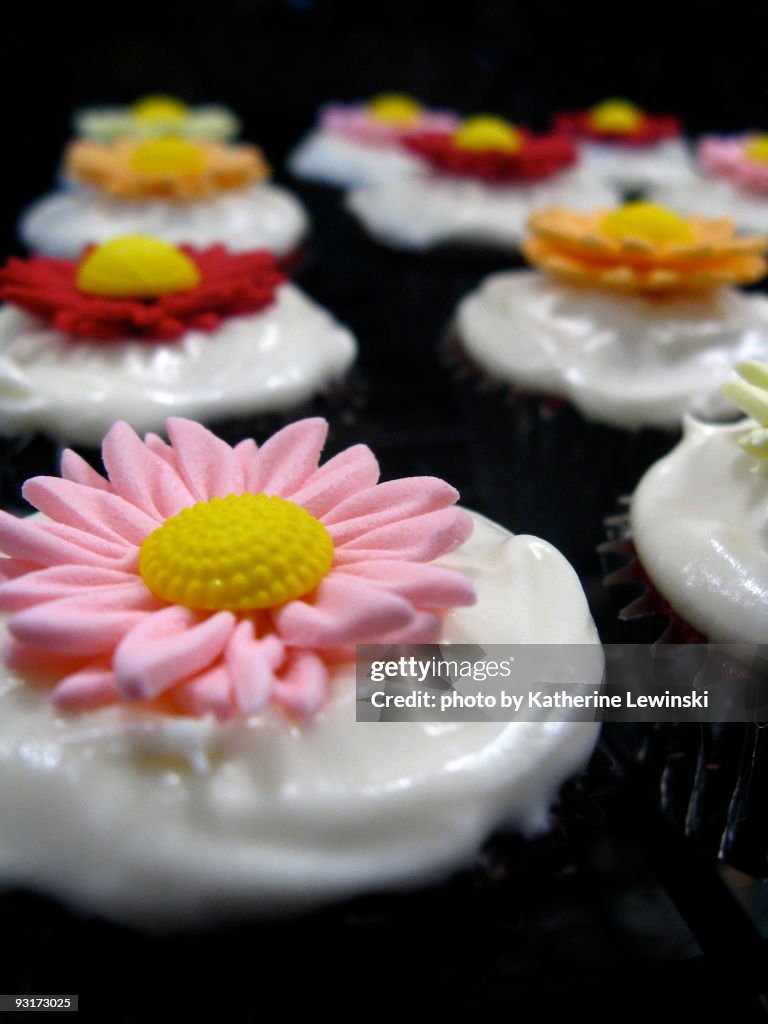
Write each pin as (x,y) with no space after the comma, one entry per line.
(728,157)
(357,123)
(80,609)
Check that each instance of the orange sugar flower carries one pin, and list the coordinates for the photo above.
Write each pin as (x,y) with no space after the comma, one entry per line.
(641,247)
(166,168)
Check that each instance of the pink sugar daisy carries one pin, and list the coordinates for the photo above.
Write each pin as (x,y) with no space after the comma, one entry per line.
(729,158)
(81,610)
(357,123)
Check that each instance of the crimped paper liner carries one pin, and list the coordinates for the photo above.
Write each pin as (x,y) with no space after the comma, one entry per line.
(711,779)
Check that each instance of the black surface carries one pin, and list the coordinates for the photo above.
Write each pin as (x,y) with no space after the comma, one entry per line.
(614,915)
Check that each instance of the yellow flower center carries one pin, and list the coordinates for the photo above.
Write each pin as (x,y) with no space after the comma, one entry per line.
(159,110)
(239,553)
(136,267)
(485,132)
(618,116)
(647,221)
(395,108)
(168,156)
(757,149)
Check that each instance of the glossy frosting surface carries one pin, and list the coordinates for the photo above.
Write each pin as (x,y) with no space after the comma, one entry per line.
(262,216)
(429,210)
(699,520)
(624,360)
(74,389)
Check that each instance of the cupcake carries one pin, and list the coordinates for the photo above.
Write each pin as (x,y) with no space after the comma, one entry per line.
(629,149)
(629,320)
(181,717)
(478,186)
(198,193)
(694,544)
(360,144)
(139,328)
(154,117)
(733,181)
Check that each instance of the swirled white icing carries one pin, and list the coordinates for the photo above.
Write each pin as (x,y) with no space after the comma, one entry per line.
(333,159)
(639,168)
(431,209)
(718,197)
(628,361)
(261,216)
(699,520)
(163,822)
(74,389)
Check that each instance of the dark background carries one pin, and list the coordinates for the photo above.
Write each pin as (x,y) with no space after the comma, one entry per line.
(611,916)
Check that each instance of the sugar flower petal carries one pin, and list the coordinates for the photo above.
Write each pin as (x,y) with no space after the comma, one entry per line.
(343,610)
(167,647)
(207,465)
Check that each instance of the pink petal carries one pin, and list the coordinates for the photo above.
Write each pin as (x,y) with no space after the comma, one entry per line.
(76,469)
(206,694)
(343,610)
(352,470)
(303,686)
(252,665)
(428,586)
(142,477)
(84,508)
(21,657)
(284,462)
(245,452)
(420,539)
(91,687)
(207,465)
(169,646)
(62,581)
(158,446)
(79,626)
(55,544)
(12,568)
(386,503)
(425,628)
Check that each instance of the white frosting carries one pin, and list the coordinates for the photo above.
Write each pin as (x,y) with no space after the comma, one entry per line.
(624,360)
(717,197)
(333,159)
(261,216)
(161,822)
(74,389)
(420,212)
(699,520)
(640,168)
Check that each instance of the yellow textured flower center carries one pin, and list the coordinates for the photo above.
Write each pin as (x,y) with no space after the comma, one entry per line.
(239,553)
(757,149)
(647,221)
(618,116)
(168,156)
(136,267)
(159,110)
(485,132)
(395,108)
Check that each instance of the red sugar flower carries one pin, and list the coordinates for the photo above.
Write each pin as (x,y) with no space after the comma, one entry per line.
(231,284)
(649,130)
(537,157)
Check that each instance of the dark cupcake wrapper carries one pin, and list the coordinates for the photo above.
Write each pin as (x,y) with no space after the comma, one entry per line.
(710,779)
(539,466)
(414,294)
